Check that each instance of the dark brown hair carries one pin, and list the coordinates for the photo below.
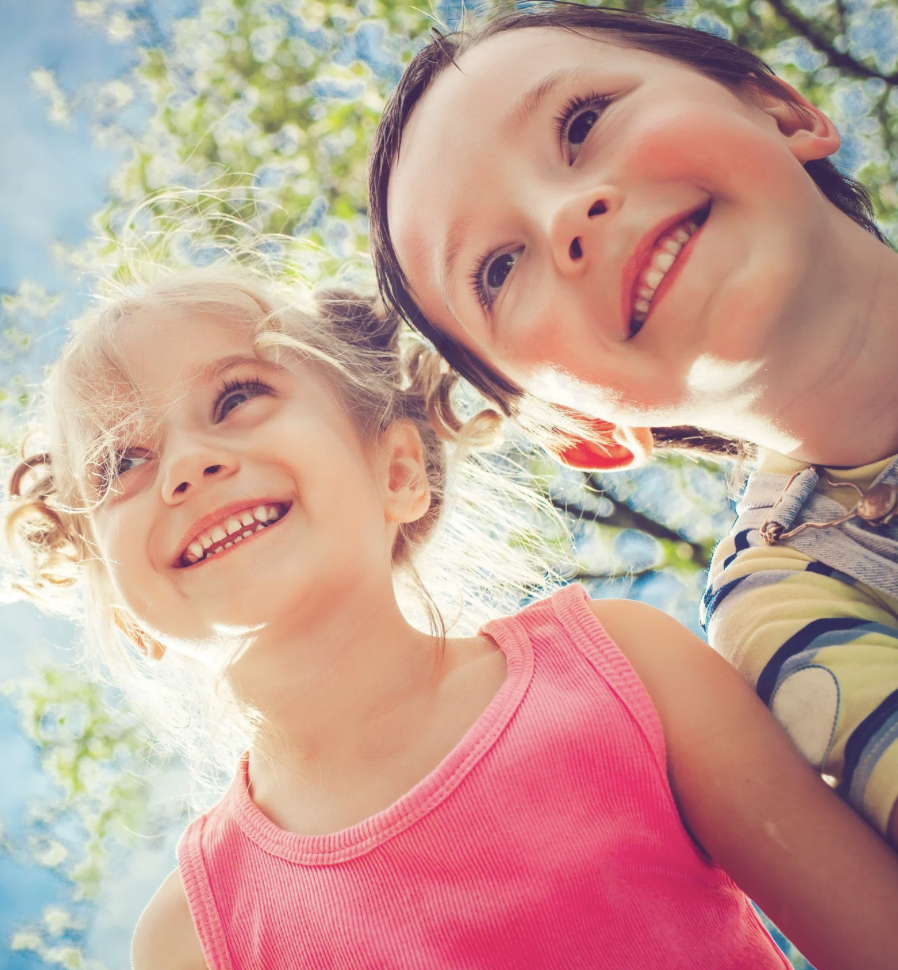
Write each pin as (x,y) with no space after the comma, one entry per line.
(717,59)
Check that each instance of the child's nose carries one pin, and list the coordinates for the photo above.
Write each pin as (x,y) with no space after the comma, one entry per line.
(573,228)
(193,468)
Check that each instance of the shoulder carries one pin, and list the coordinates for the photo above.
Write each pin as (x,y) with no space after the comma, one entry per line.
(644,634)
(165,935)
(680,672)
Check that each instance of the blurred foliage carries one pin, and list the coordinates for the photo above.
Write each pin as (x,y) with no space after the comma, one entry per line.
(96,758)
(263,111)
(270,104)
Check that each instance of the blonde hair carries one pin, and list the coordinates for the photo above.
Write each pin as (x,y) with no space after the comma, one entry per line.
(487,554)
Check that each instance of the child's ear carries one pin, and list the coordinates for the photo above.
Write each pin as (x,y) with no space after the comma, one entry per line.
(151,648)
(809,132)
(407,486)
(621,447)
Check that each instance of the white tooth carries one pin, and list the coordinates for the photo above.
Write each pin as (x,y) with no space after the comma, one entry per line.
(672,246)
(664,261)
(238,539)
(690,227)
(195,549)
(218,534)
(191,558)
(681,236)
(246,518)
(646,293)
(205,540)
(639,317)
(261,513)
(218,549)
(228,545)
(247,534)
(259,527)
(653,277)
(642,306)
(232,525)
(273,514)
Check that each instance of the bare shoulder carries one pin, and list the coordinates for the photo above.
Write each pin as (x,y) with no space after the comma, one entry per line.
(650,639)
(754,804)
(628,613)
(691,686)
(165,935)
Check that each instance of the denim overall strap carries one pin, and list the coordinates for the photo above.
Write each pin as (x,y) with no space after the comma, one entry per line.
(866,553)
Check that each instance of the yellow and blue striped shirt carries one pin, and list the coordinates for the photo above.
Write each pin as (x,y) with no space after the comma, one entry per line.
(819,646)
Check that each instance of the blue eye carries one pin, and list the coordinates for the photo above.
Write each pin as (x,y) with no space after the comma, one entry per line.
(109,469)
(126,461)
(235,393)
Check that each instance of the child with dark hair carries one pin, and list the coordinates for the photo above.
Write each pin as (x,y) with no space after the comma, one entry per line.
(592,210)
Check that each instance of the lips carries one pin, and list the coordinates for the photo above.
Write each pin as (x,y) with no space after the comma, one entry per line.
(238,522)
(660,255)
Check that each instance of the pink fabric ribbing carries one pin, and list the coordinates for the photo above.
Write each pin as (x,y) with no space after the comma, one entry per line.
(547,838)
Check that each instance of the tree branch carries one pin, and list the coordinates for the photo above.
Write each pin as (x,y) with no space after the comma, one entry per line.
(623,517)
(836,58)
(613,574)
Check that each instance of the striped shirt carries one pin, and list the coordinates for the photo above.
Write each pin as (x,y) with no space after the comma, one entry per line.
(817,641)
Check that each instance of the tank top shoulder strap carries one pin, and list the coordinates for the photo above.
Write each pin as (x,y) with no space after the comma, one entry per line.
(565,620)
(199,841)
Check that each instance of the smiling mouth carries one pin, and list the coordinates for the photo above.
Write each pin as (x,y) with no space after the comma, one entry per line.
(661,259)
(230,531)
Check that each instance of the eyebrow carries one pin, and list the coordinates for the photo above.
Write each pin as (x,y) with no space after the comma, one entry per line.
(215,368)
(529,102)
(455,243)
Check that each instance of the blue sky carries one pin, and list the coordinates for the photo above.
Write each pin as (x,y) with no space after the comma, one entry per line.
(51,180)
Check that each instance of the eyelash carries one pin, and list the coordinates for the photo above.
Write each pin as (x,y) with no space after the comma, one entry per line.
(572,107)
(475,278)
(253,387)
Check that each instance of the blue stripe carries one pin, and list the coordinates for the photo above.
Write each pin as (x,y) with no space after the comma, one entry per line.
(819,568)
(863,737)
(741,541)
(798,642)
(840,577)
(749,583)
(712,601)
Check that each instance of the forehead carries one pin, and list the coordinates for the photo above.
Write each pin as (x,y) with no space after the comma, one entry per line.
(479,88)
(491,77)
(163,352)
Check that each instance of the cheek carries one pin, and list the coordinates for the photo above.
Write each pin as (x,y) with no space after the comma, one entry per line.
(545,334)
(130,578)
(702,140)
(326,463)
(123,543)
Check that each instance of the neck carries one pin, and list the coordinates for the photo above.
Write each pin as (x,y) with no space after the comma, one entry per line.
(828,393)
(339,693)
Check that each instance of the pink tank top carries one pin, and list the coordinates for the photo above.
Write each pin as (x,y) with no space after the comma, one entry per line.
(547,838)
